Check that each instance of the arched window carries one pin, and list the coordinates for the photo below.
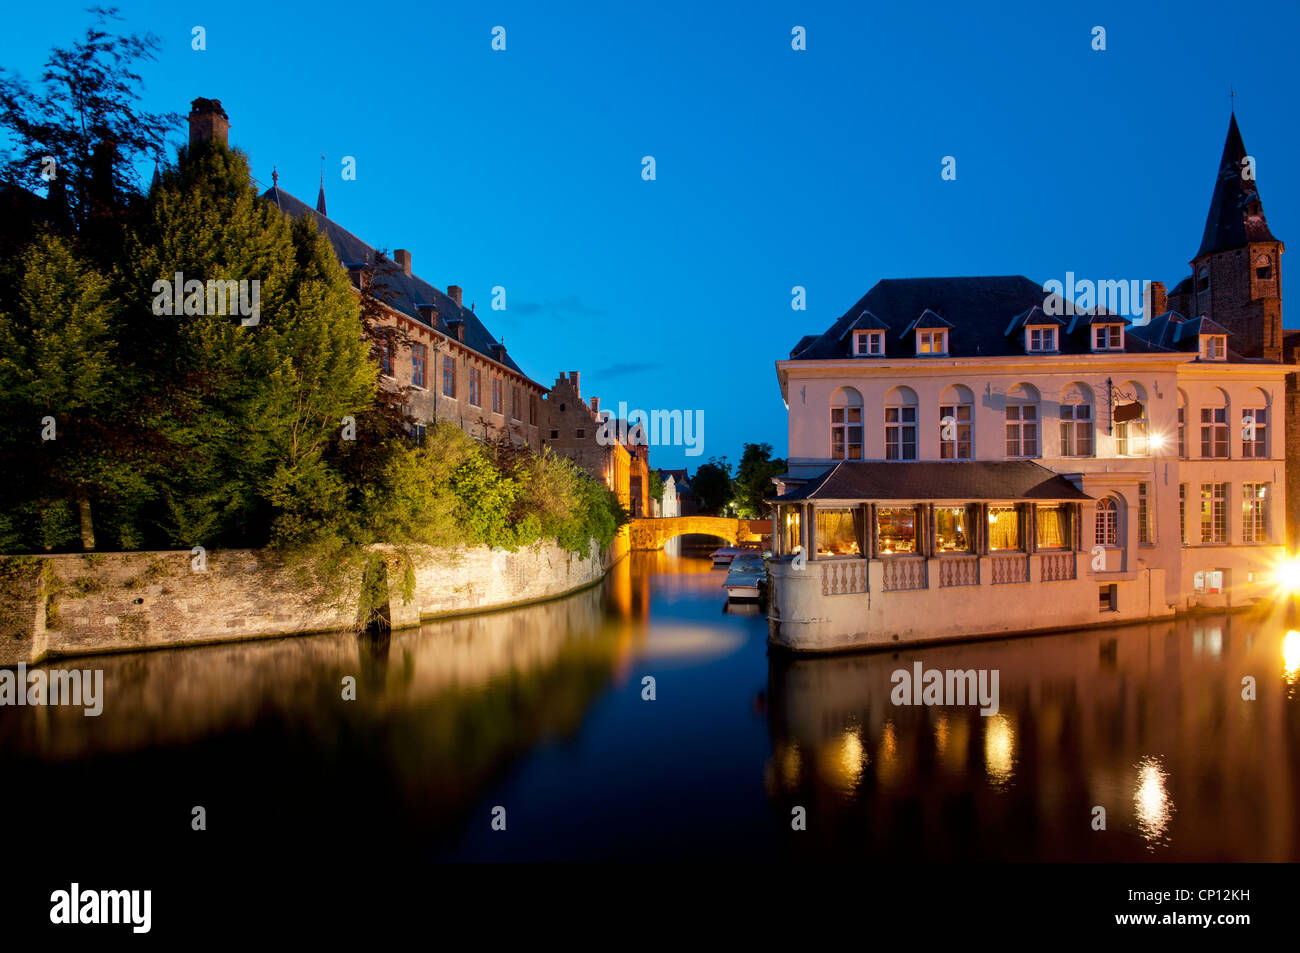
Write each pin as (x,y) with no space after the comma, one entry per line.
(1254,424)
(1107,522)
(1263,268)
(846,424)
(1077,421)
(956,423)
(1131,435)
(1022,421)
(900,424)
(1203,280)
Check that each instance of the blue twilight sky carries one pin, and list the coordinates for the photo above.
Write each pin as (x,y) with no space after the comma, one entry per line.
(775,168)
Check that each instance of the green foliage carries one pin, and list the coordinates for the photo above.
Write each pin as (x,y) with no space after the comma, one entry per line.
(655,486)
(754,479)
(713,486)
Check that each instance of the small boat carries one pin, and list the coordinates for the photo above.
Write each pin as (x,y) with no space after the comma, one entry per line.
(747,576)
(724,556)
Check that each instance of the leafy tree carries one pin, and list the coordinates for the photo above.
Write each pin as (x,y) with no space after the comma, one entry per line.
(62,388)
(713,486)
(754,478)
(250,411)
(85,116)
(655,487)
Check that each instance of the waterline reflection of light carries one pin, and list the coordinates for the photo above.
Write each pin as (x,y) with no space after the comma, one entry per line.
(1291,659)
(1151,802)
(999,749)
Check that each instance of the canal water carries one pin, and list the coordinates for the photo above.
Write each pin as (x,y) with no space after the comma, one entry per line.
(541,716)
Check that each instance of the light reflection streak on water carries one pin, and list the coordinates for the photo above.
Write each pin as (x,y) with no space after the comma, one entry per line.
(1152,804)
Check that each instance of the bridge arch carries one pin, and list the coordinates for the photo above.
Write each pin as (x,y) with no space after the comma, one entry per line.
(650,534)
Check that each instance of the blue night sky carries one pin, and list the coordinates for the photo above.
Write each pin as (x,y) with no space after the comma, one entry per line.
(775,168)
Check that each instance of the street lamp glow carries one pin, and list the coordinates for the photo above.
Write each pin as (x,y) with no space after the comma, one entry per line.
(1157,441)
(1288,575)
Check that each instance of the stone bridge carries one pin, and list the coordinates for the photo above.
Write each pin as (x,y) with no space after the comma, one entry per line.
(653,533)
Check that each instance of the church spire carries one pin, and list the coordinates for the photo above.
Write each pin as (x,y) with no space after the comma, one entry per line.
(1236,214)
(320,199)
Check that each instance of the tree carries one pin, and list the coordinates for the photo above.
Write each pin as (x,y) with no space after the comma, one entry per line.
(754,478)
(713,486)
(60,386)
(655,487)
(85,118)
(251,410)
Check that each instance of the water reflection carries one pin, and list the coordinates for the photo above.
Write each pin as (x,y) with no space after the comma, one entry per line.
(540,709)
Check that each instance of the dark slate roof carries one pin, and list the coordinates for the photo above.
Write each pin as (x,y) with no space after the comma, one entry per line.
(1034,317)
(866,321)
(1173,332)
(408,293)
(1229,224)
(952,480)
(679,478)
(977,309)
(927,320)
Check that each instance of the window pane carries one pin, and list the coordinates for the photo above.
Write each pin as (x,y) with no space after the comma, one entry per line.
(1052,527)
(835,533)
(896,529)
(1004,528)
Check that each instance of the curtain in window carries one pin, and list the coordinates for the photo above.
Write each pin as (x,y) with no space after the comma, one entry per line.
(1052,527)
(1004,528)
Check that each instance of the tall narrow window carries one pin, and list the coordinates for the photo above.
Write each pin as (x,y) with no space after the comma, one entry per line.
(1053,526)
(1263,268)
(516,404)
(475,387)
(386,359)
(955,431)
(1107,529)
(448,376)
(1182,513)
(1144,513)
(846,424)
(1131,437)
(1203,280)
(1076,430)
(1182,432)
(497,402)
(1022,430)
(1214,431)
(900,433)
(419,353)
(1214,512)
(1004,528)
(1254,430)
(1254,512)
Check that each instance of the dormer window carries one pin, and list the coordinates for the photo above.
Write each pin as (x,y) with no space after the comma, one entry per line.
(868,343)
(1214,347)
(1040,340)
(932,342)
(1108,337)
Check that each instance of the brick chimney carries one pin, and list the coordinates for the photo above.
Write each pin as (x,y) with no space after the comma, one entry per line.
(208,121)
(454,293)
(1156,299)
(403,259)
(595,405)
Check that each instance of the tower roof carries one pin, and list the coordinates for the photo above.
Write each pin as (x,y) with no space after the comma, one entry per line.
(1236,214)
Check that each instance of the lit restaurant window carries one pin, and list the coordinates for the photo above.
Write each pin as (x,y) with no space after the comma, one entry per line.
(1004,528)
(896,529)
(837,533)
(952,529)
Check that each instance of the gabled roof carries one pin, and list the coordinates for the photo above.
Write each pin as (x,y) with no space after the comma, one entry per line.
(866,321)
(1034,317)
(927,320)
(971,480)
(977,309)
(1229,223)
(1081,319)
(408,292)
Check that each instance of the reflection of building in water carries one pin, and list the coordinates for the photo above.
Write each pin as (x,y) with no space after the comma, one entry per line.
(1146,721)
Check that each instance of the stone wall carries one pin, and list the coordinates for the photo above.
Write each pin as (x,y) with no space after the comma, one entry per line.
(73,604)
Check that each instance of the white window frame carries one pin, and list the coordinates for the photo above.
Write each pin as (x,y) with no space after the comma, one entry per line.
(932,341)
(868,343)
(1047,339)
(1108,337)
(1214,347)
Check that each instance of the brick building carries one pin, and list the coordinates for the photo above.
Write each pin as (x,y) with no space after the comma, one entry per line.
(456,370)
(570,426)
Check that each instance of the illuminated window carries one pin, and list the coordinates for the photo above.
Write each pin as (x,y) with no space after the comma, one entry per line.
(1182,513)
(931,342)
(1214,512)
(952,529)
(896,529)
(1144,513)
(1004,528)
(837,533)
(1254,512)
(1053,526)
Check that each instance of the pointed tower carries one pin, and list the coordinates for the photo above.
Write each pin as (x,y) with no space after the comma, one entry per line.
(1236,275)
(320,198)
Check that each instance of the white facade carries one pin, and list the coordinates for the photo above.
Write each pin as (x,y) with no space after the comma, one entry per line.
(1057,411)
